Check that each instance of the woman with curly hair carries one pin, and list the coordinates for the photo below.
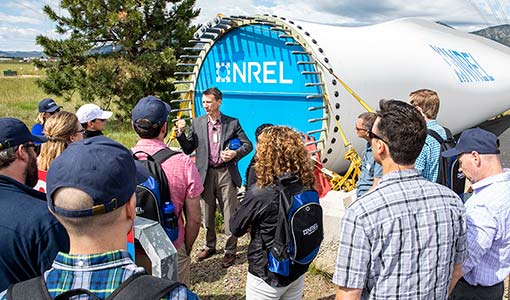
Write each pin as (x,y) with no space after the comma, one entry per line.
(280,152)
(61,129)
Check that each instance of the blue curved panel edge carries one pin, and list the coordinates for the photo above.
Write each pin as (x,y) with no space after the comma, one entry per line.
(261,81)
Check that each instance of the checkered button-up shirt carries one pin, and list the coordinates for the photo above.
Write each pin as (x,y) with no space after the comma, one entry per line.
(402,239)
(99,273)
(488,237)
(427,163)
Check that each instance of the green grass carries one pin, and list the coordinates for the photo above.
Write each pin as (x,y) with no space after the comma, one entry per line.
(22,68)
(313,270)
(19,98)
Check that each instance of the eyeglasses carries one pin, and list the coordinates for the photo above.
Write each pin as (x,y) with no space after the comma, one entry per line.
(79,131)
(29,145)
(372,135)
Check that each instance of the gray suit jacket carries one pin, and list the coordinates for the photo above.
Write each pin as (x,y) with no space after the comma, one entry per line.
(198,139)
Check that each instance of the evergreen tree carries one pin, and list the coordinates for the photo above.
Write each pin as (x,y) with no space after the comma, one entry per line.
(113,52)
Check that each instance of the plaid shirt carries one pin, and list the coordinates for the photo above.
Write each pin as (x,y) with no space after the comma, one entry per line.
(99,273)
(427,163)
(401,239)
(488,236)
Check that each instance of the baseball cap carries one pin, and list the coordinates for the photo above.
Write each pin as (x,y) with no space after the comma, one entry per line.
(13,132)
(89,112)
(152,109)
(48,105)
(476,139)
(100,167)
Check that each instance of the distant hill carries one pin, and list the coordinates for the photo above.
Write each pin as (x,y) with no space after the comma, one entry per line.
(21,54)
(500,33)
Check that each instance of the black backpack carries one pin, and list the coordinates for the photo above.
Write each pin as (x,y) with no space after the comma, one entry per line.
(448,174)
(155,191)
(137,287)
(299,230)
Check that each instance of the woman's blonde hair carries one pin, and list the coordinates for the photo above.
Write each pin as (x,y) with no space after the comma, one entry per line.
(281,150)
(40,118)
(58,129)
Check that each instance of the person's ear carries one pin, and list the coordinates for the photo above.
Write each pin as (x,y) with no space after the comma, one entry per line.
(131,207)
(22,153)
(476,158)
(72,138)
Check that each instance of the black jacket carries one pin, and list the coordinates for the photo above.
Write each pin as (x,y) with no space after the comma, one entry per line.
(259,209)
(198,140)
(30,235)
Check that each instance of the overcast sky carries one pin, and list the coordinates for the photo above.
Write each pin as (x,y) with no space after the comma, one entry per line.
(22,20)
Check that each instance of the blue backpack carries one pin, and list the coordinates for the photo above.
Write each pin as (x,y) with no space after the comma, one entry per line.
(299,230)
(152,193)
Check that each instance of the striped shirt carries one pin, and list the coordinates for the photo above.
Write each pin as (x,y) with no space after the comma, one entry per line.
(427,163)
(488,235)
(99,273)
(369,170)
(401,239)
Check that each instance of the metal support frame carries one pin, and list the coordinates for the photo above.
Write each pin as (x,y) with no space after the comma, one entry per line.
(159,248)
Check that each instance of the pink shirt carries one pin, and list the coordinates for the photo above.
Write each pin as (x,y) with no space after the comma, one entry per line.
(182,175)
(214,135)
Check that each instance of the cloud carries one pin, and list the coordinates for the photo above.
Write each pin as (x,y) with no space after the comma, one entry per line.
(460,13)
(18,19)
(467,15)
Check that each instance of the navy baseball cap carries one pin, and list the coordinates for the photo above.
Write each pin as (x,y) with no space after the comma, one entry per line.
(151,108)
(476,139)
(100,167)
(13,132)
(48,105)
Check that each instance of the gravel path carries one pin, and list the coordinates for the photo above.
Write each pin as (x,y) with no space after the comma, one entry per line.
(210,281)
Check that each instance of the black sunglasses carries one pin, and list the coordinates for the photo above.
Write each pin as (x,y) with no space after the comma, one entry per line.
(372,135)
(28,145)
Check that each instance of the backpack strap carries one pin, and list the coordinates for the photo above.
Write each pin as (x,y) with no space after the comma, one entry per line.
(432,133)
(285,188)
(75,292)
(435,135)
(158,158)
(34,288)
(143,286)
(162,155)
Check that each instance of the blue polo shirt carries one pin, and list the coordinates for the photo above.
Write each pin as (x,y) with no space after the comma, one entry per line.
(369,170)
(30,237)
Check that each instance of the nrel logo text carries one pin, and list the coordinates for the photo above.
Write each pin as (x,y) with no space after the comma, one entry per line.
(251,72)
(310,230)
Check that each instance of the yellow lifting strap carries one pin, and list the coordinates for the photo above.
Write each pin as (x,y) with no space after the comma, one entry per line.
(173,134)
(347,182)
(346,87)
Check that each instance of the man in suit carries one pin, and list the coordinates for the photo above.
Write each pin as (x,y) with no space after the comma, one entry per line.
(211,136)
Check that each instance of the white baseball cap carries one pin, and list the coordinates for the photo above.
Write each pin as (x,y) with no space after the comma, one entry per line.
(89,112)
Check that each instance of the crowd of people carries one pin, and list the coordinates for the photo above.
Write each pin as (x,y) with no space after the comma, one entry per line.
(67,203)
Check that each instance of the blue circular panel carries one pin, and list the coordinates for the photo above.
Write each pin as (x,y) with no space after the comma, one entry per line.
(261,81)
